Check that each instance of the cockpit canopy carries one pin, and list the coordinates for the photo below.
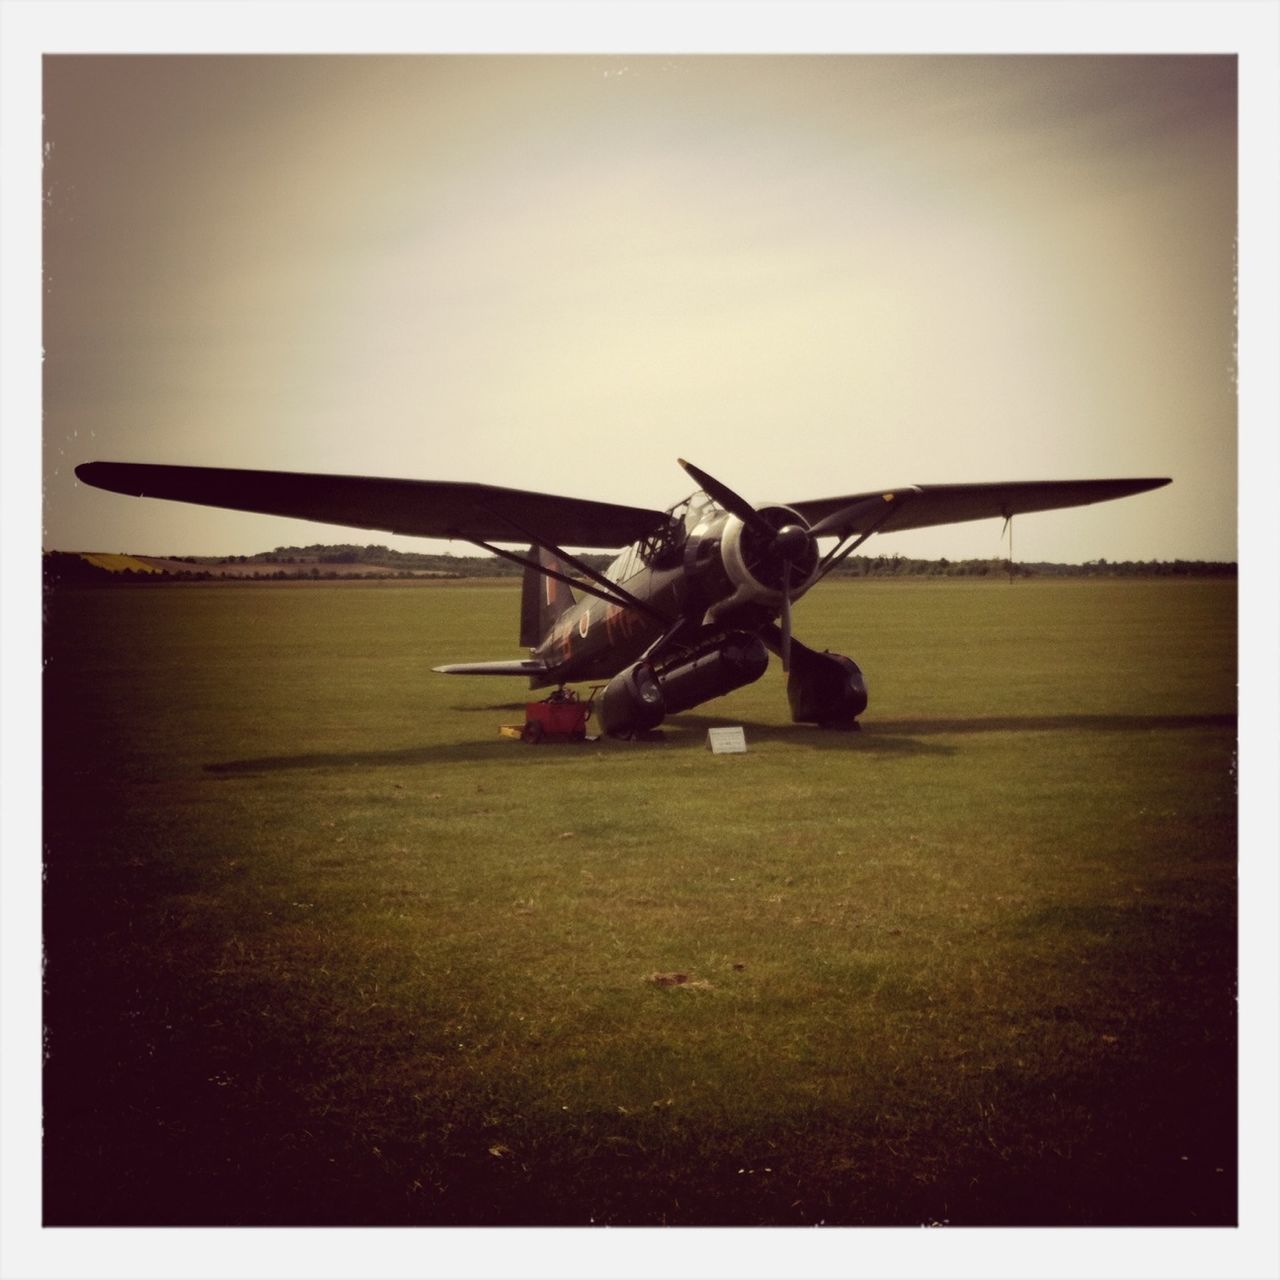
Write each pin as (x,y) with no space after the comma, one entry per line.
(663,549)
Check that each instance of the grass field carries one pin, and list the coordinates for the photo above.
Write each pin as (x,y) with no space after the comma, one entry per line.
(322,948)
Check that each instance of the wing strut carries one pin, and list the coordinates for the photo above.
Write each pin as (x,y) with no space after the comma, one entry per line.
(837,555)
(604,589)
(546,572)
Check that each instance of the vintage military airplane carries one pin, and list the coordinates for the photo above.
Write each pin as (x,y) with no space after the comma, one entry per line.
(685,614)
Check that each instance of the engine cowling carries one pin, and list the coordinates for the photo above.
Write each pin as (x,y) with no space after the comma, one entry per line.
(758,566)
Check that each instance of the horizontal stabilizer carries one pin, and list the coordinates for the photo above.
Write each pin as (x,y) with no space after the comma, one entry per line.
(514,667)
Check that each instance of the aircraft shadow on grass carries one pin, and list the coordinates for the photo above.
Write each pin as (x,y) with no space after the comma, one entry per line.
(685,731)
(403,757)
(885,737)
(869,739)
(1042,724)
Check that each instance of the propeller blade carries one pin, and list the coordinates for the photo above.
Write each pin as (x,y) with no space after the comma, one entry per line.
(730,501)
(786,616)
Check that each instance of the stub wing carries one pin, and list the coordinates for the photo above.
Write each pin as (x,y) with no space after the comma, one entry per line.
(419,508)
(920,506)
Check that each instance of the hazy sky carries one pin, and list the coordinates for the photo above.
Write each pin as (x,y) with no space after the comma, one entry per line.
(809,275)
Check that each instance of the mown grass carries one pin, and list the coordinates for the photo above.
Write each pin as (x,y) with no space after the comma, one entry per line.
(323,948)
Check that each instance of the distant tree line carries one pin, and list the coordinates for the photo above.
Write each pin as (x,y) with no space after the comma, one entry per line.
(298,561)
(350,562)
(905,567)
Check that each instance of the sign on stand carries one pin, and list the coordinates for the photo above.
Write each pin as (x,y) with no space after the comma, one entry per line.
(726,741)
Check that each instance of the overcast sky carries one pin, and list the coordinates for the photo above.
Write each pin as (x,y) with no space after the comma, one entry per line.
(809,275)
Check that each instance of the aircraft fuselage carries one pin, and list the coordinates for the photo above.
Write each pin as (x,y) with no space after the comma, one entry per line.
(683,580)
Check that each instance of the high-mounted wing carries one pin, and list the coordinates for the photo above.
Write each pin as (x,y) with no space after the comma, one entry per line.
(421,508)
(920,506)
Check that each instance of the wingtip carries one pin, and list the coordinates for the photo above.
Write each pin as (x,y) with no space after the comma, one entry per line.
(104,475)
(97,474)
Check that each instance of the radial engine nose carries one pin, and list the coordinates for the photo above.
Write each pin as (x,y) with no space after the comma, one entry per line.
(791,542)
(776,556)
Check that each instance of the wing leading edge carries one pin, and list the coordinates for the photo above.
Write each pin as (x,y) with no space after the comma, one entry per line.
(489,513)
(933,504)
(419,508)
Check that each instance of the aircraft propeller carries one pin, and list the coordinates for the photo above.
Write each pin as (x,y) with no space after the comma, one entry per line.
(730,501)
(790,544)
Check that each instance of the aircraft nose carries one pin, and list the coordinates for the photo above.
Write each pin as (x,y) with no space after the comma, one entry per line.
(791,541)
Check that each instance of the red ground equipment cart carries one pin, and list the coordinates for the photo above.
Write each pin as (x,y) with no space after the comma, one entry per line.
(561,715)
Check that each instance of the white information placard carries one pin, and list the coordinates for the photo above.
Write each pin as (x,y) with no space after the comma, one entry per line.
(727,740)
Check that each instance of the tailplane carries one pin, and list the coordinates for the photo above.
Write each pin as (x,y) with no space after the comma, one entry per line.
(542,599)
(534,668)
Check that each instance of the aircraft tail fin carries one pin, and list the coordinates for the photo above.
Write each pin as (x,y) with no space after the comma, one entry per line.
(542,599)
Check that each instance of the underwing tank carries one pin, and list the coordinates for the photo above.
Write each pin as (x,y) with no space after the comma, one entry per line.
(638,699)
(739,661)
(632,702)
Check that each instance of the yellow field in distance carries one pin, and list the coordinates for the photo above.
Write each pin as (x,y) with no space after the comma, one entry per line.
(118,563)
